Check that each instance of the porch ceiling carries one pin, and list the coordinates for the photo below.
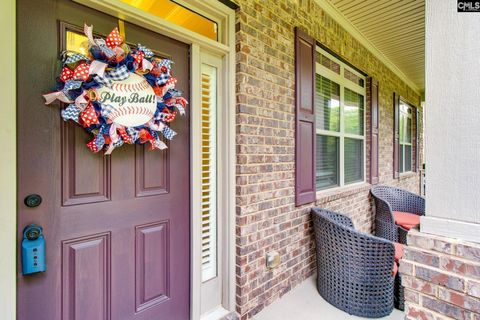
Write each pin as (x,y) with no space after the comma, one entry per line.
(395,27)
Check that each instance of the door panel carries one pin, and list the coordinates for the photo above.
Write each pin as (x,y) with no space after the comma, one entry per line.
(86,277)
(151,171)
(116,227)
(152,263)
(85,178)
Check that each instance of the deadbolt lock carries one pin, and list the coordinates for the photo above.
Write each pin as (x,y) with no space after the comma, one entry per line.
(33,200)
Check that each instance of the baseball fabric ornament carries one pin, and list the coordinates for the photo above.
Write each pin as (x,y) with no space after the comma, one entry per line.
(133,101)
(118,94)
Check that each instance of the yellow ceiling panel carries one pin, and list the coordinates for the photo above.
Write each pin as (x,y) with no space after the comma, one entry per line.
(395,27)
(177,14)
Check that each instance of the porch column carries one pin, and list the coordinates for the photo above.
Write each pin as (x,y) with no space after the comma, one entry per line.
(452,131)
(440,269)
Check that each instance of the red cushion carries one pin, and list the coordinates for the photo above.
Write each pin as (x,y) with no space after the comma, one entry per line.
(395,269)
(398,251)
(406,219)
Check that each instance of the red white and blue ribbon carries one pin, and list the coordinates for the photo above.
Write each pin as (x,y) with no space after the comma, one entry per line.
(109,60)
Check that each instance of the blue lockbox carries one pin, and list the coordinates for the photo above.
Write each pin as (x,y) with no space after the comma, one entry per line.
(33,250)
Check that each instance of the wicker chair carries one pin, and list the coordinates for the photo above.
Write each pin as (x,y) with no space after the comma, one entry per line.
(399,293)
(388,199)
(354,270)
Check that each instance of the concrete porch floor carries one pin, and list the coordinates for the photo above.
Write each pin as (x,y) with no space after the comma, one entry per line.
(304,303)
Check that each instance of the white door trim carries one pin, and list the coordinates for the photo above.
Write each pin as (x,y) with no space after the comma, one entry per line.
(225,49)
(8,163)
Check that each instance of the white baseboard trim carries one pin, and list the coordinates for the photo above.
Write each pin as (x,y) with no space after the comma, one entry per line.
(450,228)
(215,314)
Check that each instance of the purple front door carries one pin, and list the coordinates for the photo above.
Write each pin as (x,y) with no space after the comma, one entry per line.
(117,228)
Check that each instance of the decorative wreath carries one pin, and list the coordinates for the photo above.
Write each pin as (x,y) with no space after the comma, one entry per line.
(120,95)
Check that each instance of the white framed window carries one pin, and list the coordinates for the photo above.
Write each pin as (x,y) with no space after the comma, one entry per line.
(211,187)
(405,128)
(340,123)
(209,171)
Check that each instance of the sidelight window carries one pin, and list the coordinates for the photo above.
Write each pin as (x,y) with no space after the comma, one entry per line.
(209,168)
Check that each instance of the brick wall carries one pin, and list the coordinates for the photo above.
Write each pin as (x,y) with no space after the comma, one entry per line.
(441,278)
(266,216)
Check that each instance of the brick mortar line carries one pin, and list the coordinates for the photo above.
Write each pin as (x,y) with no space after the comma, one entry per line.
(281,44)
(283,264)
(268,36)
(451,241)
(251,214)
(266,145)
(259,230)
(243,114)
(264,155)
(256,260)
(265,63)
(435,313)
(287,95)
(267,172)
(264,174)
(261,184)
(281,231)
(283,51)
(440,254)
(292,228)
(279,274)
(252,59)
(243,148)
(247,94)
(281,206)
(269,163)
(265,80)
(421,296)
(251,165)
(430,251)
(260,135)
(240,113)
(264,108)
(449,273)
(255,184)
(263,210)
(272,21)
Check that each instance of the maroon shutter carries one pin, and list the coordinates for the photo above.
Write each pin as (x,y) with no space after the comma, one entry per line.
(396,135)
(415,139)
(374,129)
(305,118)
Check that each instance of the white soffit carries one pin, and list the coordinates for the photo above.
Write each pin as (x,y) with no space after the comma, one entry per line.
(393,30)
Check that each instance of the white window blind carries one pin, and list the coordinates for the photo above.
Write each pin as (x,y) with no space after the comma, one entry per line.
(209,167)
(340,123)
(405,137)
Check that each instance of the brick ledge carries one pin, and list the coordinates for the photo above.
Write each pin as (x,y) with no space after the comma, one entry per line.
(408,175)
(338,193)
